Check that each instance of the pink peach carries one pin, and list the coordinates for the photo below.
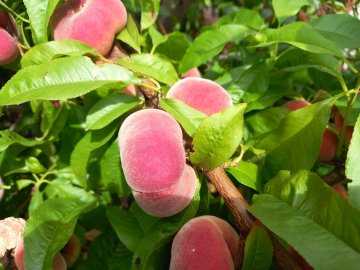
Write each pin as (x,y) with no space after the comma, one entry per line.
(93,22)
(171,201)
(194,72)
(151,150)
(8,48)
(202,94)
(205,243)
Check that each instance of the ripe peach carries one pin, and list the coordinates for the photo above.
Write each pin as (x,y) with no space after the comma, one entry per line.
(205,242)
(151,150)
(294,105)
(8,48)
(194,72)
(19,253)
(171,201)
(71,251)
(93,22)
(328,146)
(202,94)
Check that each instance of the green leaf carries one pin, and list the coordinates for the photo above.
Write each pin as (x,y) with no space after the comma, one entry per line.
(295,59)
(189,118)
(210,43)
(61,79)
(246,173)
(307,237)
(295,143)
(108,109)
(111,174)
(8,138)
(258,250)
(302,36)
(266,120)
(218,137)
(50,226)
(40,12)
(130,35)
(45,52)
(304,211)
(149,12)
(247,17)
(84,148)
(288,8)
(145,235)
(342,29)
(156,38)
(151,65)
(174,47)
(126,227)
(352,168)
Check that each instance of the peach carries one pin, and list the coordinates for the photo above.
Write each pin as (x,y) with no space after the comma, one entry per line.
(328,146)
(93,22)
(8,48)
(194,72)
(151,150)
(171,201)
(205,243)
(71,251)
(294,105)
(202,94)
(19,253)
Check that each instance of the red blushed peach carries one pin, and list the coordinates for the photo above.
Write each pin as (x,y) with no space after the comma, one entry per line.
(8,48)
(151,150)
(19,254)
(93,22)
(194,72)
(202,94)
(71,251)
(205,243)
(297,104)
(328,146)
(171,201)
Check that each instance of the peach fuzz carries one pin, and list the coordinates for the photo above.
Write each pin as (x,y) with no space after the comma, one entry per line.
(93,22)
(202,94)
(194,72)
(205,243)
(151,150)
(172,201)
(8,48)
(19,253)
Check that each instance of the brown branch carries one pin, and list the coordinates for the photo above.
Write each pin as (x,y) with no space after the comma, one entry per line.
(238,206)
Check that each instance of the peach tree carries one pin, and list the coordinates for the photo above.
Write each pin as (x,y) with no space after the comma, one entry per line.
(178,134)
